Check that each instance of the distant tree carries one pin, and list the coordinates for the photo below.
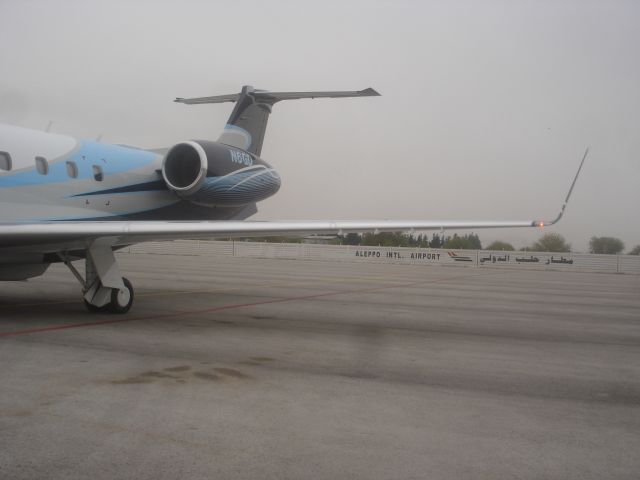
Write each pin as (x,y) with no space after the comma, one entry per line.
(466,242)
(551,242)
(370,239)
(436,241)
(272,239)
(607,245)
(352,239)
(385,239)
(475,241)
(635,250)
(498,245)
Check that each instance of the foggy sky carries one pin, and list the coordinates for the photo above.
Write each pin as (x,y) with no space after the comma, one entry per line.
(485,112)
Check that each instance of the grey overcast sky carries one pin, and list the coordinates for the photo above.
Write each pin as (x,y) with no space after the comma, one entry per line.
(486,110)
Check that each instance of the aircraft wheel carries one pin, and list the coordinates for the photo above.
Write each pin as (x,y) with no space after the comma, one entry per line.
(92,308)
(121,300)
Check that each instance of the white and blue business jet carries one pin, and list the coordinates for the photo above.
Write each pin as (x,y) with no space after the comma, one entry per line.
(64,199)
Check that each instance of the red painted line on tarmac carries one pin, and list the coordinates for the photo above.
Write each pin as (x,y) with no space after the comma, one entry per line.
(214,309)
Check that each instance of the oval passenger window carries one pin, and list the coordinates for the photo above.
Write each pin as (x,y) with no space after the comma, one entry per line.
(42,165)
(5,161)
(97,173)
(72,169)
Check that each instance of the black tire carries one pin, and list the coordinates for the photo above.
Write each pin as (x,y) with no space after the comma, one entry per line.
(93,308)
(115,306)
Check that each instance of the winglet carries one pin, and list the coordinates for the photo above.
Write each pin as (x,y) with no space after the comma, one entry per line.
(542,223)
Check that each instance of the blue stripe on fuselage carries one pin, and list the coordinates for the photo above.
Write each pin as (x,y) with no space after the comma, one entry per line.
(112,158)
(157,186)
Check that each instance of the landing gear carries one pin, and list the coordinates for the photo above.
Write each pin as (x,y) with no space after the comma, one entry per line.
(104,288)
(121,300)
(93,308)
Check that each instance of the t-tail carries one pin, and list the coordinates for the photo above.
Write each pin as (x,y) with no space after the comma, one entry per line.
(247,124)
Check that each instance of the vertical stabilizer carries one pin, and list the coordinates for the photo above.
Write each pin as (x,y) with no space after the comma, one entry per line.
(248,122)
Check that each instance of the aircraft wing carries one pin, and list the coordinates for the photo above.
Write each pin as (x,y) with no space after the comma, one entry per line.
(51,237)
(67,236)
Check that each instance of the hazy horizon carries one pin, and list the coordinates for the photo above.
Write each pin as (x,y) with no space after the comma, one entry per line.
(485,112)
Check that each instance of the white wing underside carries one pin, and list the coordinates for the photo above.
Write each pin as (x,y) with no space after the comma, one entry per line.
(66,236)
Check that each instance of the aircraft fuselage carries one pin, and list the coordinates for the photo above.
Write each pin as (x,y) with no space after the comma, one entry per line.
(52,177)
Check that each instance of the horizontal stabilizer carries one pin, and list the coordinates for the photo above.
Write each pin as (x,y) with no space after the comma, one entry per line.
(273,97)
(248,122)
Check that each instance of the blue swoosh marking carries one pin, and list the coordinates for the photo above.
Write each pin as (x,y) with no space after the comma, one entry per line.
(136,188)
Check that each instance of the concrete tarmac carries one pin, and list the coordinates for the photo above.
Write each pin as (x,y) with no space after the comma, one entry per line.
(281,369)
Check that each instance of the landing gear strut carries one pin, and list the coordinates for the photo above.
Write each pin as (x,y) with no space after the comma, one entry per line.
(104,288)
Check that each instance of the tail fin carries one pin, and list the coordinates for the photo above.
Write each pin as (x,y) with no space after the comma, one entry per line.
(248,122)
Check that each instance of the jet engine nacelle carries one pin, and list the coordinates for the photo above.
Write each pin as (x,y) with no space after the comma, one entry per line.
(214,174)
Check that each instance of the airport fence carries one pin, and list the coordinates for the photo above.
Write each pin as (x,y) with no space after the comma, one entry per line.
(583,262)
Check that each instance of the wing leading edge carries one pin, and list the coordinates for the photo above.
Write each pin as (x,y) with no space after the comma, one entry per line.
(78,234)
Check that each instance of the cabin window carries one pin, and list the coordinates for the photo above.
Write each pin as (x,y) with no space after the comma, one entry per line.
(72,169)
(98,174)
(42,165)
(5,161)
